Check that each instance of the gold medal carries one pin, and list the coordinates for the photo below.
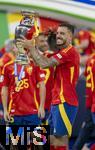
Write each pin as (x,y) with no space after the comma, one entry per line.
(11,120)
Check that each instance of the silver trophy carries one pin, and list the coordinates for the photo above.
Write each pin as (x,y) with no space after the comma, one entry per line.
(27,29)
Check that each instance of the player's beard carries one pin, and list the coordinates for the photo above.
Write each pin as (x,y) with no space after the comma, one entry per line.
(62,44)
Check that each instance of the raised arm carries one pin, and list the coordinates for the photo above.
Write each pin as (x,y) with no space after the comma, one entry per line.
(40,60)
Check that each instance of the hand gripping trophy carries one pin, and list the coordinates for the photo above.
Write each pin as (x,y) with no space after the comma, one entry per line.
(27,28)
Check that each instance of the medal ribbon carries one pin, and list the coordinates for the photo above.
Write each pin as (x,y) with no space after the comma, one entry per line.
(18,77)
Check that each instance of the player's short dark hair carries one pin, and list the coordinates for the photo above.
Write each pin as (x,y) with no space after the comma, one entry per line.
(52,41)
(69,26)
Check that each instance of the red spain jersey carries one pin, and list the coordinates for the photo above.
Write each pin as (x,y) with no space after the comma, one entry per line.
(49,82)
(93,87)
(3,60)
(66,76)
(22,98)
(90,83)
(86,35)
(89,80)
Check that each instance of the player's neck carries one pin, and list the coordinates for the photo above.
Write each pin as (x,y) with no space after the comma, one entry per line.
(64,46)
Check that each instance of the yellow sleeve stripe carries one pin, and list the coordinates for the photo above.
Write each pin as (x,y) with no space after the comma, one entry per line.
(61,92)
(90,77)
(10,62)
(92,81)
(36,102)
(10,104)
(72,73)
(47,75)
(67,49)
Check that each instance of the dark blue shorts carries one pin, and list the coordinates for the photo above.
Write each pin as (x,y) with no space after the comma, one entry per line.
(93,117)
(1,110)
(61,119)
(2,122)
(26,120)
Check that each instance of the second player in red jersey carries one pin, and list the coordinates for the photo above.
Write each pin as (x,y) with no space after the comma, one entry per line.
(22,98)
(86,42)
(21,78)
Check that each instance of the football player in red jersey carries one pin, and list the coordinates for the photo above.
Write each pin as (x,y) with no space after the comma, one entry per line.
(91,95)
(9,55)
(22,92)
(43,47)
(87,125)
(64,97)
(21,78)
(86,44)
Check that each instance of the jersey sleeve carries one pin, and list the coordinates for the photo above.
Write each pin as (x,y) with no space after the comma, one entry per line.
(4,77)
(40,74)
(64,55)
(89,85)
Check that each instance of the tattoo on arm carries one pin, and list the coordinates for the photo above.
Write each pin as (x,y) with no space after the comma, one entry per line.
(43,61)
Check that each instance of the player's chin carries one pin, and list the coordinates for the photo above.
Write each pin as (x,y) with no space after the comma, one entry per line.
(59,42)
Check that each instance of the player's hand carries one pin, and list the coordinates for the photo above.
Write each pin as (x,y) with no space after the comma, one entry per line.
(28,44)
(41,113)
(6,116)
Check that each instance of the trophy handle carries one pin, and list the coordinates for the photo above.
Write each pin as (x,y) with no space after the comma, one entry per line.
(33,16)
(29,14)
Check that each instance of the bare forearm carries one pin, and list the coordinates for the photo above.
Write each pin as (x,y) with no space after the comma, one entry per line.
(4,97)
(42,94)
(40,60)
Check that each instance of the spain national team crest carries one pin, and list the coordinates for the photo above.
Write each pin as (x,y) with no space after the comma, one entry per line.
(29,70)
